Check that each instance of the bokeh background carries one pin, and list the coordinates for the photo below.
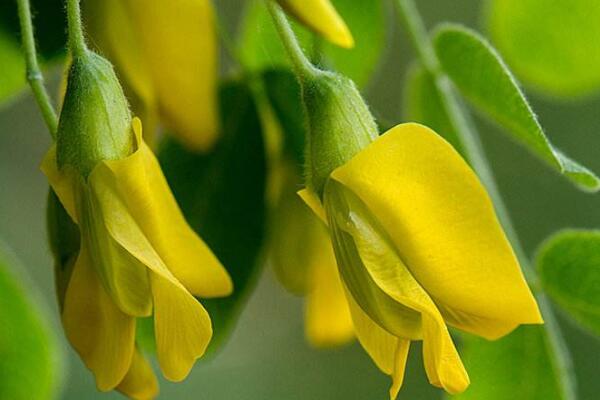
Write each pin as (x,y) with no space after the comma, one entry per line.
(267,356)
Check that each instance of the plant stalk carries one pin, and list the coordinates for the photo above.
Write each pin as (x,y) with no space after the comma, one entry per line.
(76,38)
(34,76)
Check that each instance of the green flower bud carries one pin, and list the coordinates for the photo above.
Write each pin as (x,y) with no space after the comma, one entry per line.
(339,125)
(95,121)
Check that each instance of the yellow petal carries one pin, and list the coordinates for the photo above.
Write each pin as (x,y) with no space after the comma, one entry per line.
(390,274)
(179,45)
(387,351)
(312,201)
(102,335)
(123,276)
(62,182)
(321,17)
(148,198)
(182,326)
(111,33)
(328,320)
(140,382)
(444,227)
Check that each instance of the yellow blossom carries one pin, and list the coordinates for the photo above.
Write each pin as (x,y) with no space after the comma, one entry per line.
(165,53)
(138,257)
(420,248)
(321,17)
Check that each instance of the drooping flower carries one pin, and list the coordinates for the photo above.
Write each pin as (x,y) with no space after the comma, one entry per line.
(165,52)
(419,248)
(137,255)
(322,18)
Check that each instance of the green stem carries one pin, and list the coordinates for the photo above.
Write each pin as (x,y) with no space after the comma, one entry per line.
(33,73)
(303,67)
(76,38)
(413,22)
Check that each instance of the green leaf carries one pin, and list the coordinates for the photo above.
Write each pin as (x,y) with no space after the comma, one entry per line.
(552,45)
(482,77)
(569,269)
(261,47)
(12,78)
(518,366)
(423,103)
(222,195)
(284,94)
(30,362)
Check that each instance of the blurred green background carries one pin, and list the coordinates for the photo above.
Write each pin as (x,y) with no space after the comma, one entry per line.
(267,356)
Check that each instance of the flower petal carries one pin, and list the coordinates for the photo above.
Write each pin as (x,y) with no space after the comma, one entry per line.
(443,226)
(328,320)
(312,201)
(179,43)
(387,351)
(142,185)
(60,181)
(390,274)
(139,383)
(321,17)
(102,335)
(182,326)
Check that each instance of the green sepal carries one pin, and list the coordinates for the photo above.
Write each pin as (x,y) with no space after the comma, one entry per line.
(95,121)
(339,125)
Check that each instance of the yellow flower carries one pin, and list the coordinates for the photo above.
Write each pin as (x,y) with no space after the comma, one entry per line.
(303,259)
(419,248)
(138,257)
(321,17)
(165,53)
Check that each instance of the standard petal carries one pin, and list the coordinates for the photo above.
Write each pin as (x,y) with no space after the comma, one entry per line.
(390,274)
(179,43)
(443,225)
(321,17)
(328,320)
(139,383)
(387,351)
(102,335)
(143,187)
(182,326)
(62,182)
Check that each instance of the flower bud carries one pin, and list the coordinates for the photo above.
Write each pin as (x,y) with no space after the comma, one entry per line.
(339,125)
(95,121)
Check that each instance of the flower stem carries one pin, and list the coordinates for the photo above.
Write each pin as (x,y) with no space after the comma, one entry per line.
(302,65)
(35,78)
(76,38)
(409,15)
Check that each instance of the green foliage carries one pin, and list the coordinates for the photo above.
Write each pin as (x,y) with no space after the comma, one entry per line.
(284,94)
(423,103)
(261,47)
(569,269)
(552,45)
(482,77)
(518,366)
(12,78)
(29,358)
(222,195)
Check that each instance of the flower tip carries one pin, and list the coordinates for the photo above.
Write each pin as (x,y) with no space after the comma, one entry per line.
(343,38)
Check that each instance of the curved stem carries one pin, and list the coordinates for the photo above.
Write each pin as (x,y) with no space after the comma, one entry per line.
(302,66)
(33,73)
(409,15)
(76,38)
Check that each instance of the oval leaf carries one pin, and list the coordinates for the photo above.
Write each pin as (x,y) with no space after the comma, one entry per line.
(552,45)
(518,366)
(30,364)
(262,48)
(482,77)
(569,269)
(12,78)
(222,195)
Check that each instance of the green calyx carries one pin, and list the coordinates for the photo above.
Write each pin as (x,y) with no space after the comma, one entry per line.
(339,125)
(95,121)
